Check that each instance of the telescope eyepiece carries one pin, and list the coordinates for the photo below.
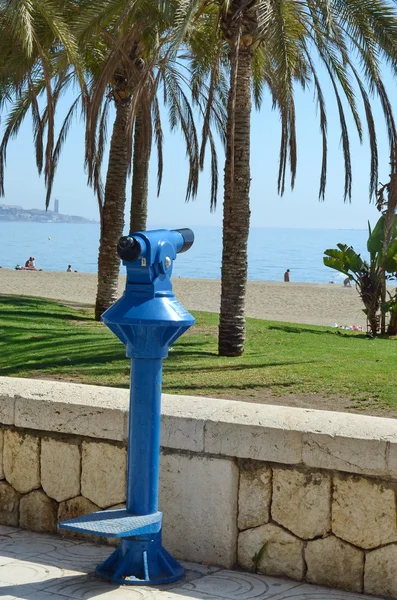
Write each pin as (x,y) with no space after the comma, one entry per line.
(128,248)
(188,237)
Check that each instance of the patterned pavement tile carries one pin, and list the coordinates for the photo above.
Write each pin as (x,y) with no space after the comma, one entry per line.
(16,592)
(307,591)
(20,544)
(38,595)
(4,529)
(4,560)
(85,587)
(200,569)
(235,585)
(23,572)
(47,567)
(24,547)
(79,557)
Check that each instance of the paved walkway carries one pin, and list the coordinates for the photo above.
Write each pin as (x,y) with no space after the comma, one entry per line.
(42,567)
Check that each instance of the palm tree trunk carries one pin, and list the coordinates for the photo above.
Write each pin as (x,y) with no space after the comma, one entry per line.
(140,174)
(113,211)
(388,221)
(236,214)
(382,304)
(388,235)
(392,328)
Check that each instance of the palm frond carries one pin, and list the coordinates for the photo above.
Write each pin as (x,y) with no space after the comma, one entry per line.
(13,122)
(158,136)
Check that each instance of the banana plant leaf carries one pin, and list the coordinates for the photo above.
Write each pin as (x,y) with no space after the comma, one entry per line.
(345,260)
(375,239)
(336,264)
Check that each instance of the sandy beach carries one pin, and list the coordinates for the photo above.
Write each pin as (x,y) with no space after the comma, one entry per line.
(317,304)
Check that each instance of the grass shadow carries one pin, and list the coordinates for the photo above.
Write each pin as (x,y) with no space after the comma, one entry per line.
(335,331)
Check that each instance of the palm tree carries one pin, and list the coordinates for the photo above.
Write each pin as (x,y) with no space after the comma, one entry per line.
(115,68)
(36,42)
(156,73)
(121,47)
(279,45)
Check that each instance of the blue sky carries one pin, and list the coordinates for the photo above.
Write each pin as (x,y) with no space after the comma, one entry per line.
(300,208)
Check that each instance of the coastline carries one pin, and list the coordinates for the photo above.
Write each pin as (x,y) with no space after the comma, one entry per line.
(294,302)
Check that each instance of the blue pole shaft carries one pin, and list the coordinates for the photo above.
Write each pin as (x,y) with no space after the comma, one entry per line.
(143,459)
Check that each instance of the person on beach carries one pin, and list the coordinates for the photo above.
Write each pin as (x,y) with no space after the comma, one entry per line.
(69,269)
(346,282)
(29,265)
(286,276)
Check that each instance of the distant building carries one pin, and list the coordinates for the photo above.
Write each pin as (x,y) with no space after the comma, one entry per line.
(56,206)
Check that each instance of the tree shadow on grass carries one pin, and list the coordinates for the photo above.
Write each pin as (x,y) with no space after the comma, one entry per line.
(240,367)
(191,353)
(29,308)
(58,351)
(225,388)
(50,362)
(68,343)
(29,315)
(291,329)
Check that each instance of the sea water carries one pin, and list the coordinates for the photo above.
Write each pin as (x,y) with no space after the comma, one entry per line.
(270,251)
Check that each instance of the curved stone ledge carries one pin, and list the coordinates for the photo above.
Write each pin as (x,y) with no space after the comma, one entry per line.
(69,408)
(345,442)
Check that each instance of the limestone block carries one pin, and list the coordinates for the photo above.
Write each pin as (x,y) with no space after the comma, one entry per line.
(332,562)
(363,512)
(75,507)
(9,504)
(380,575)
(21,459)
(103,473)
(252,431)
(281,552)
(60,469)
(302,502)
(254,497)
(38,512)
(1,454)
(199,498)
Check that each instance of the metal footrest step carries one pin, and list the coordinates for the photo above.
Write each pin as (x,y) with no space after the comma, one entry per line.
(114,523)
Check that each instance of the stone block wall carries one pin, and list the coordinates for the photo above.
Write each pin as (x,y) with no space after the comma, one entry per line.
(297,493)
(48,479)
(329,528)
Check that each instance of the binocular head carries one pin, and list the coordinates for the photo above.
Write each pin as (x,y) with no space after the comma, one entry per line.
(134,246)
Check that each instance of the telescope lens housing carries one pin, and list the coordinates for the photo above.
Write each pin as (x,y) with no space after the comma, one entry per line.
(128,248)
(188,237)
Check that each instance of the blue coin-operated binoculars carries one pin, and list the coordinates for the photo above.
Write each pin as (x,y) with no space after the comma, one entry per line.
(147,319)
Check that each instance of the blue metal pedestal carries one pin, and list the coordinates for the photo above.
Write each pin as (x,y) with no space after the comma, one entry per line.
(146,558)
(147,319)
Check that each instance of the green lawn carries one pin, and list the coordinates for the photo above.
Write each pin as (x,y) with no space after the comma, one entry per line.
(44,339)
